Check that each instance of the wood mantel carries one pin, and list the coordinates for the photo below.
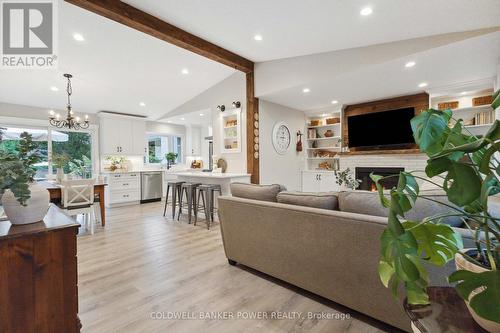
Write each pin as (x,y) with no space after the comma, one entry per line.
(383,152)
(418,101)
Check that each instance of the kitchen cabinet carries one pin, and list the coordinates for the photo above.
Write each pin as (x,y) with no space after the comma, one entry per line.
(123,188)
(319,181)
(122,135)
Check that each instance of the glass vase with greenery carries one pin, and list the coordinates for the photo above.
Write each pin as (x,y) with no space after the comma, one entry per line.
(170,157)
(466,167)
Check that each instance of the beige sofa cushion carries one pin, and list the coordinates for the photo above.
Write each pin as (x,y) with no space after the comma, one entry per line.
(366,202)
(316,200)
(256,192)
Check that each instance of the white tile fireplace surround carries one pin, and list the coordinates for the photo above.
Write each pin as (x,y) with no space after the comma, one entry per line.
(409,162)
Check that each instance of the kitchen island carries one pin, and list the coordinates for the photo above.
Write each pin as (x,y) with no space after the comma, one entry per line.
(222,179)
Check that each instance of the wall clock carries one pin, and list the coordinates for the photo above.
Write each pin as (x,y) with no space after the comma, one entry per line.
(281,137)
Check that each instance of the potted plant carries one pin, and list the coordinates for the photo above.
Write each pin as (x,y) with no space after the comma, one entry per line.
(170,157)
(23,200)
(116,162)
(347,179)
(60,161)
(466,168)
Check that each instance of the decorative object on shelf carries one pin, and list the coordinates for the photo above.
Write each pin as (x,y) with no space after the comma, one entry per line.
(312,133)
(221,108)
(299,141)
(468,166)
(236,104)
(231,122)
(60,161)
(315,122)
(325,166)
(448,105)
(23,200)
(336,163)
(281,137)
(231,137)
(170,157)
(314,144)
(71,122)
(483,100)
(328,134)
(332,121)
(484,118)
(325,153)
(347,179)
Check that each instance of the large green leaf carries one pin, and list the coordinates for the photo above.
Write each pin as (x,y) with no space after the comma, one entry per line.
(470,147)
(437,243)
(380,189)
(437,166)
(385,271)
(462,184)
(494,132)
(486,302)
(484,165)
(496,100)
(430,129)
(456,138)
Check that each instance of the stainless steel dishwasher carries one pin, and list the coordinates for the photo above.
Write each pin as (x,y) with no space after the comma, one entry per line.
(151,186)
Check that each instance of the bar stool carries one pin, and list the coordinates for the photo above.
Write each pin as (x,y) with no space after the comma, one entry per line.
(176,192)
(208,201)
(189,189)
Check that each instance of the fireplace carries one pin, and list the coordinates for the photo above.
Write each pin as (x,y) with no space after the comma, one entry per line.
(363,174)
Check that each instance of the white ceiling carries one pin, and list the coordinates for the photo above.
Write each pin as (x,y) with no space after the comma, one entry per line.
(292,28)
(365,74)
(195,118)
(114,69)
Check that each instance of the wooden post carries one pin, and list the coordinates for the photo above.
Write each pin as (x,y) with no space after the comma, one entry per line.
(253,151)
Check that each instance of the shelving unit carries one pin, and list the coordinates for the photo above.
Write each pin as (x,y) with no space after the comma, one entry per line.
(231,136)
(315,145)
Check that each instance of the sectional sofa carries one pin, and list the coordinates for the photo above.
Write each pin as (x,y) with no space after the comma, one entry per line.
(326,243)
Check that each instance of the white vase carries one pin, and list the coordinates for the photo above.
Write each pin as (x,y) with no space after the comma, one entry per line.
(35,209)
(59,175)
(463,264)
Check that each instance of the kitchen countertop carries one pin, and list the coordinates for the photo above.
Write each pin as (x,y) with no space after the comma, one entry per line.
(201,174)
(140,170)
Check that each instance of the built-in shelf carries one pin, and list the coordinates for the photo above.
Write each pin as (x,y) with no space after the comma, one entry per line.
(330,138)
(323,126)
(231,126)
(320,158)
(230,137)
(320,148)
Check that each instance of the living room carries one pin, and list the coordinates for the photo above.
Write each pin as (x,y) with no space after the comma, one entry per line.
(283,166)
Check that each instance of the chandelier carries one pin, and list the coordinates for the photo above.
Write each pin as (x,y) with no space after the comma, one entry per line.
(71,122)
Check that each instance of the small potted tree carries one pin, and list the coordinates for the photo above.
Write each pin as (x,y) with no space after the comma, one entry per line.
(60,161)
(170,157)
(466,168)
(23,200)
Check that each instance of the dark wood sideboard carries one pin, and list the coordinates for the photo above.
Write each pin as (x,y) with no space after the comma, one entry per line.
(38,275)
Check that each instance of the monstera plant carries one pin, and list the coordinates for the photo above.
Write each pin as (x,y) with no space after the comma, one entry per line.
(466,167)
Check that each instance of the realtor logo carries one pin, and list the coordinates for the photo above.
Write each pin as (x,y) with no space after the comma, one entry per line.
(28,34)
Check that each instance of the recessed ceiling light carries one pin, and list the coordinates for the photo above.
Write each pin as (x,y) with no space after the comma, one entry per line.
(258,37)
(410,64)
(423,84)
(185,71)
(335,102)
(324,115)
(183,118)
(54,88)
(463,93)
(366,11)
(142,104)
(78,37)
(201,114)
(169,121)
(306,90)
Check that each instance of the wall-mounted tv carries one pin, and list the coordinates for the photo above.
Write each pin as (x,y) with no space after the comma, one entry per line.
(387,129)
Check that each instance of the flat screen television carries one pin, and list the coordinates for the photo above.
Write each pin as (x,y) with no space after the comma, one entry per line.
(387,129)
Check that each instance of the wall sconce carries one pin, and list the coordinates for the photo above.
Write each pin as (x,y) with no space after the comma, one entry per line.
(221,108)
(236,104)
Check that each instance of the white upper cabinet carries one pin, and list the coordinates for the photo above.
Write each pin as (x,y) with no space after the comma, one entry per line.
(121,135)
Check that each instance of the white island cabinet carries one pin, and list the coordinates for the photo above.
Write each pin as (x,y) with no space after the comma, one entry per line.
(222,179)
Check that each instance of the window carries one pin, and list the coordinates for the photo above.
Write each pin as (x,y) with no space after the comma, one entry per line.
(160,145)
(76,146)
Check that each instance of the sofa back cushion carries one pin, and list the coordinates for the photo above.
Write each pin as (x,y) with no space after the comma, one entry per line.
(256,192)
(326,200)
(368,203)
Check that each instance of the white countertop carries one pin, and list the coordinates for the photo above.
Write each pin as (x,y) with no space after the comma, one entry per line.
(140,170)
(201,174)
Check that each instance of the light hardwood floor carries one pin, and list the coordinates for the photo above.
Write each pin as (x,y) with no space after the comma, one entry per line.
(143,264)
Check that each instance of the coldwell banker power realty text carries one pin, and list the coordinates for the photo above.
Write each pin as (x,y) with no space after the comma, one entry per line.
(29,34)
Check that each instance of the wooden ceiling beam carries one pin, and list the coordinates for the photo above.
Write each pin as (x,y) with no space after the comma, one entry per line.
(137,19)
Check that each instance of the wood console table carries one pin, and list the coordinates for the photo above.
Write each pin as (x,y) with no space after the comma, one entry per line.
(446,313)
(38,275)
(56,194)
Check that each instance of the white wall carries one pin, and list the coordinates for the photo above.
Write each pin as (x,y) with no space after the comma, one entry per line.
(231,89)
(275,168)
(31,112)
